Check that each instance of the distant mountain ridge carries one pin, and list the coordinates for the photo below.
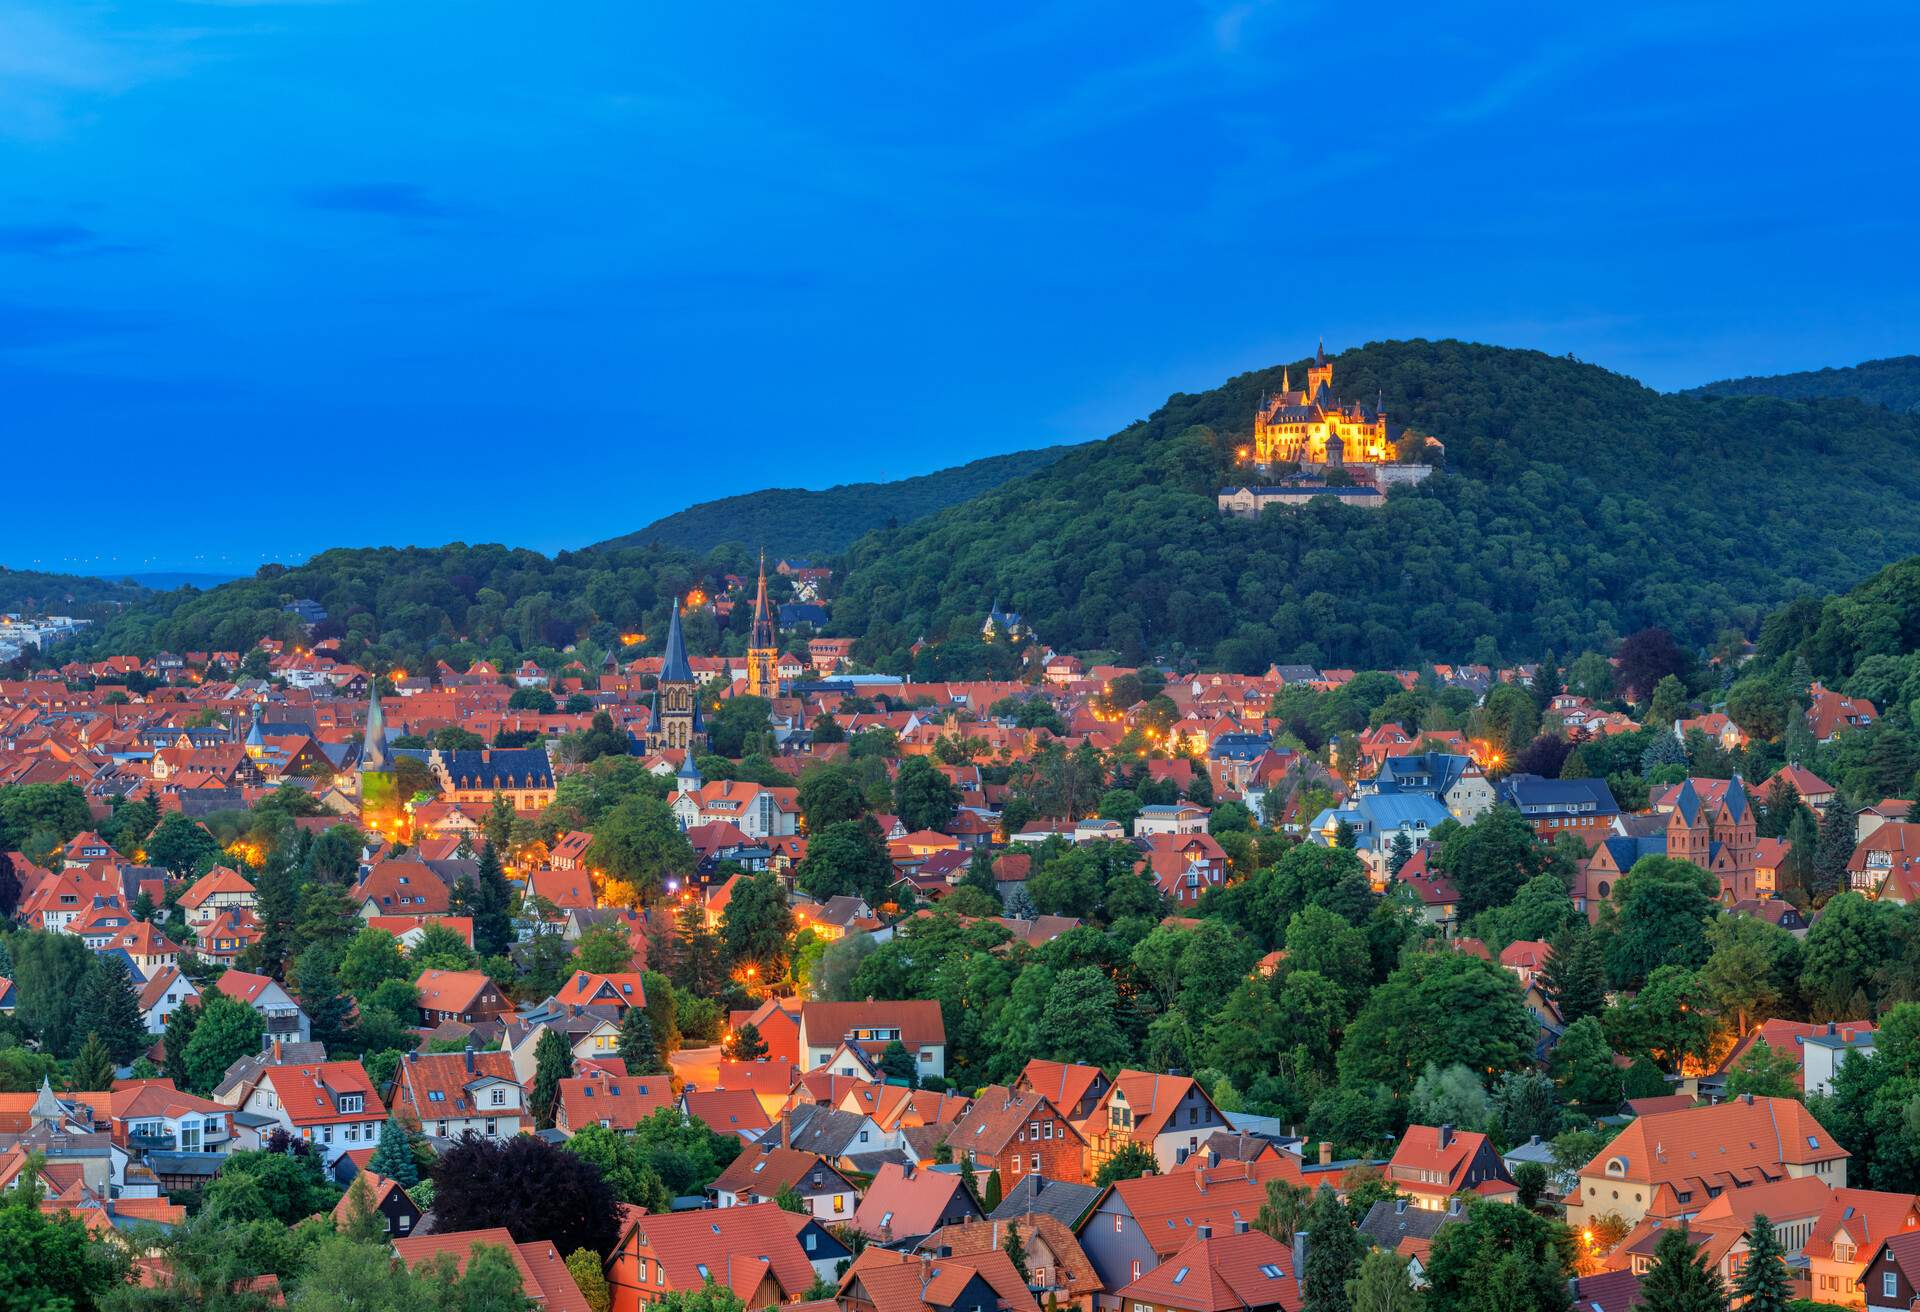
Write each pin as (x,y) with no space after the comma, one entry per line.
(799,522)
(1893,383)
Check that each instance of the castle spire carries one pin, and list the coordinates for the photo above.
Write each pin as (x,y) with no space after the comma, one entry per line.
(1320,356)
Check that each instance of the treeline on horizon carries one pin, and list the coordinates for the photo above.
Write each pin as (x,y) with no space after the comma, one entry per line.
(1893,383)
(1574,507)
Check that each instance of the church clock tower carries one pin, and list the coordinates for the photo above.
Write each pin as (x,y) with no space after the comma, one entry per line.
(763,645)
(676,704)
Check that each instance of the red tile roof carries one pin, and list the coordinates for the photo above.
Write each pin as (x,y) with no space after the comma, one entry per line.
(1225,1273)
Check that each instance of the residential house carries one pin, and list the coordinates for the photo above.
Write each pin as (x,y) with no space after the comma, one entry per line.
(884,1281)
(1584,807)
(727,1111)
(387,1200)
(1847,1234)
(827,1027)
(1170,818)
(164,993)
(761,1253)
(544,1278)
(765,1170)
(1168,1115)
(467,996)
(906,1201)
(1832,714)
(1018,1132)
(1244,1270)
(1457,782)
(613,993)
(1434,1164)
(1060,1274)
(1669,1165)
(330,1104)
(619,1102)
(220,889)
(448,1094)
(286,1022)
(1076,1090)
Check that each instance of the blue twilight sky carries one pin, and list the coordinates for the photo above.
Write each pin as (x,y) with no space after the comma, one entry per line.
(277,276)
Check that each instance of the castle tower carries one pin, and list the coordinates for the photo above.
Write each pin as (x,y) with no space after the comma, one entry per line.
(1320,377)
(763,645)
(676,704)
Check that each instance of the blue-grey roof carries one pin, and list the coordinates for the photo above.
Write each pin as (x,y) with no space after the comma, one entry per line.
(802,612)
(1239,746)
(500,767)
(673,661)
(1401,811)
(1530,790)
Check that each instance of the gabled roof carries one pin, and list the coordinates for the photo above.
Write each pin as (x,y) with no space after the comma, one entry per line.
(899,1204)
(717,1238)
(543,1272)
(1740,1141)
(308,1093)
(451,990)
(766,1168)
(997,1115)
(913,1282)
(1225,1273)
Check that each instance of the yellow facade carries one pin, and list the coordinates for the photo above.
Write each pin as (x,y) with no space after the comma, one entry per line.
(1310,426)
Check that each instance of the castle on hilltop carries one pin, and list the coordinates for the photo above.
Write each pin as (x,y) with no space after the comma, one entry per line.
(1313,426)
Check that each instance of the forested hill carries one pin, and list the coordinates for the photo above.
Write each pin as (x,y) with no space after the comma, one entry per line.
(65,594)
(1578,505)
(1893,383)
(794,521)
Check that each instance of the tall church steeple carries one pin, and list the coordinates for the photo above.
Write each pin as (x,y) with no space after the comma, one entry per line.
(676,702)
(763,644)
(373,747)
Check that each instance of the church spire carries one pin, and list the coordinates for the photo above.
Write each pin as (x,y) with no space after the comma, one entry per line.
(674,667)
(763,634)
(373,747)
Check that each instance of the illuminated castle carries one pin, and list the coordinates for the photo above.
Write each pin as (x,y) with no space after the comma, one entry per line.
(1312,426)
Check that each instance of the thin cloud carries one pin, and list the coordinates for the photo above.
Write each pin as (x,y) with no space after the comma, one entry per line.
(56,240)
(396,200)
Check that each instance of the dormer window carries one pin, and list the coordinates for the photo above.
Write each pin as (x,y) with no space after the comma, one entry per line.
(1617,1167)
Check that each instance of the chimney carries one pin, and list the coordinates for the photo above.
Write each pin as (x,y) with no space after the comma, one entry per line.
(1399,1207)
(1747,1098)
(1830,1027)
(469,1056)
(1039,1183)
(1239,1225)
(1326,1152)
(1453,1206)
(1204,1230)
(1446,1135)
(276,1051)
(1300,1250)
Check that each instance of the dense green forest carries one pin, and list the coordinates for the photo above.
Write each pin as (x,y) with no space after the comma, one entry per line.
(1893,383)
(793,521)
(65,594)
(408,606)
(1576,506)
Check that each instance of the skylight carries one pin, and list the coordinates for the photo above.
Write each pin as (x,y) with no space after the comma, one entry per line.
(1270,1271)
(1181,1274)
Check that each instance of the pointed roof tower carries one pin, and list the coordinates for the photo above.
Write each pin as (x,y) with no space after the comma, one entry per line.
(1320,356)
(46,1107)
(373,747)
(673,661)
(763,634)
(256,741)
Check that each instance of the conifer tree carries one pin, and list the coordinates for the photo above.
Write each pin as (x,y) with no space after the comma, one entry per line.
(318,983)
(1680,1279)
(1763,1284)
(1835,847)
(110,1007)
(995,1191)
(394,1157)
(174,1039)
(93,1068)
(1400,853)
(1575,973)
(636,1043)
(747,1043)
(552,1063)
(489,900)
(1016,1250)
(1333,1254)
